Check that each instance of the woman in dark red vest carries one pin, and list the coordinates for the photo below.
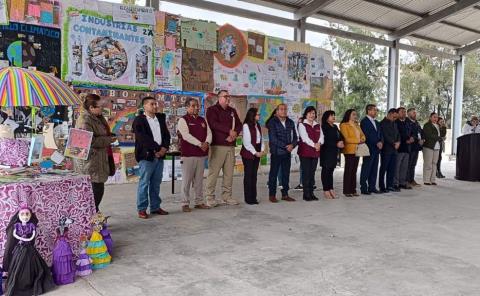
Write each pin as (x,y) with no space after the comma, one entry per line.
(252,150)
(311,137)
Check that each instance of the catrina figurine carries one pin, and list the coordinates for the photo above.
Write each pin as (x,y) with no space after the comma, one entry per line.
(63,267)
(28,274)
(107,238)
(96,249)
(84,262)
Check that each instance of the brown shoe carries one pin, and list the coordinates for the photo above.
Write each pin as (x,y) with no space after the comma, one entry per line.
(287,198)
(273,199)
(415,184)
(142,215)
(186,209)
(160,212)
(202,207)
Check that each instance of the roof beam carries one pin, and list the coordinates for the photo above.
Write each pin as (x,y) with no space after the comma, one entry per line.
(414,13)
(226,9)
(468,48)
(311,8)
(433,18)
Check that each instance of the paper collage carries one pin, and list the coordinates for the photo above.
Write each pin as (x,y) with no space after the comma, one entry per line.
(197,70)
(321,74)
(232,46)
(3,12)
(275,77)
(168,69)
(246,78)
(256,46)
(41,12)
(172,32)
(199,34)
(297,69)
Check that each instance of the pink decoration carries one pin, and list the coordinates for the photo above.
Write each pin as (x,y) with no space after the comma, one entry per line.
(14,152)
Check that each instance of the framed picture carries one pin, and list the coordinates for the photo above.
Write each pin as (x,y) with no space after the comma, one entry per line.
(79,143)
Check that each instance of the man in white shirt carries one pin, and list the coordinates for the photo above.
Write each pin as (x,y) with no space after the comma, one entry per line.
(152,140)
(195,139)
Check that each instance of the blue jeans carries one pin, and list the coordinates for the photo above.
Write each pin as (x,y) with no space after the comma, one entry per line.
(151,174)
(369,172)
(279,163)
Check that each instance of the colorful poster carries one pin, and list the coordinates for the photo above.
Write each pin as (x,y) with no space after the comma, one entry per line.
(256,45)
(172,31)
(237,102)
(159,38)
(199,34)
(168,69)
(4,13)
(231,46)
(101,52)
(246,78)
(120,108)
(133,14)
(265,104)
(197,70)
(321,74)
(297,69)
(78,144)
(47,13)
(25,45)
(172,103)
(275,76)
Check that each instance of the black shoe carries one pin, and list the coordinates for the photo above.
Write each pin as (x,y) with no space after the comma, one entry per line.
(299,187)
(405,187)
(307,198)
(440,176)
(314,187)
(365,192)
(375,191)
(314,197)
(384,190)
(394,189)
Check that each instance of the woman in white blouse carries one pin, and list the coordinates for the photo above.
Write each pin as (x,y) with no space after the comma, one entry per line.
(252,150)
(311,137)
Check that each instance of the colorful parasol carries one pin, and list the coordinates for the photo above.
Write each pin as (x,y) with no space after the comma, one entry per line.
(22,87)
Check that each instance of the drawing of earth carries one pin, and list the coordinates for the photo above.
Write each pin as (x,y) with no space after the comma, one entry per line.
(107,58)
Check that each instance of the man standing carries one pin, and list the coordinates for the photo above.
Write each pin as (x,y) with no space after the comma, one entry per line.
(225,125)
(406,140)
(416,147)
(195,139)
(152,140)
(283,139)
(391,139)
(373,134)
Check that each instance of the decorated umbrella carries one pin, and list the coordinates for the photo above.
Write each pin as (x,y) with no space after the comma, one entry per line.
(22,87)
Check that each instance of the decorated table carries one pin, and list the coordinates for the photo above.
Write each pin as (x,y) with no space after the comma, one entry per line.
(50,196)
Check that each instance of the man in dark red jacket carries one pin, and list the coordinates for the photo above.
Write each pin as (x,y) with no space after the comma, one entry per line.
(195,140)
(225,125)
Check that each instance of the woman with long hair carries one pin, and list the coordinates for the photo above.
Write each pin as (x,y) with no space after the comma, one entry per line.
(329,152)
(311,139)
(352,136)
(431,149)
(251,152)
(97,165)
(443,134)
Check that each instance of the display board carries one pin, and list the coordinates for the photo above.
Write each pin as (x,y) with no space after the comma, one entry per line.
(41,12)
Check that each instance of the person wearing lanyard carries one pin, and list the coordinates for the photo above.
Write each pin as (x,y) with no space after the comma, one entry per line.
(152,140)
(431,149)
(252,150)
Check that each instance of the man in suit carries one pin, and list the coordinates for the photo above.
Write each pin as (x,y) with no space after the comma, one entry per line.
(391,138)
(417,134)
(406,140)
(152,140)
(371,129)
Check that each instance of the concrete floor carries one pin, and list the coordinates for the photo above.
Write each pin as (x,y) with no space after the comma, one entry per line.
(419,242)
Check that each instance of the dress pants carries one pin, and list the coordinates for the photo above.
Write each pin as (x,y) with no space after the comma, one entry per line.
(387,167)
(401,169)
(412,163)
(369,172)
(308,166)
(327,178)
(430,159)
(221,158)
(192,176)
(350,174)
(250,179)
(98,191)
(279,163)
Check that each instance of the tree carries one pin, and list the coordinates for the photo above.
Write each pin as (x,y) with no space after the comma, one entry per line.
(471,88)
(129,2)
(360,74)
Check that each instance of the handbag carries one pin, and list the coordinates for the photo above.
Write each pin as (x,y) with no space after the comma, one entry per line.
(111,162)
(362,150)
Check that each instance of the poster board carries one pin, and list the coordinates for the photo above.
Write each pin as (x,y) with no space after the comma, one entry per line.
(38,12)
(3,12)
(133,14)
(78,144)
(197,70)
(199,34)
(99,52)
(168,69)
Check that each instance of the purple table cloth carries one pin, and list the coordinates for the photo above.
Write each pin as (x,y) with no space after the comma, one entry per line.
(50,198)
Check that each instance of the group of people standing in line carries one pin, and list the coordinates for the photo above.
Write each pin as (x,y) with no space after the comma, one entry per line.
(395,142)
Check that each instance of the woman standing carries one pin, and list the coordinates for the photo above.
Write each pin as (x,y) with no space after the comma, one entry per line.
(252,150)
(97,165)
(443,135)
(329,152)
(431,149)
(311,138)
(352,135)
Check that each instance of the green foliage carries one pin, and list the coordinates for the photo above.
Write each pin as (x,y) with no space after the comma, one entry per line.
(129,2)
(471,88)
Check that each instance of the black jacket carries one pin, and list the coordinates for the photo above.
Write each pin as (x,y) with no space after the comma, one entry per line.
(281,136)
(145,145)
(417,134)
(329,150)
(405,133)
(390,136)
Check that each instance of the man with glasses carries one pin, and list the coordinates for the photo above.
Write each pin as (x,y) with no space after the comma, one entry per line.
(152,140)
(195,138)
(225,126)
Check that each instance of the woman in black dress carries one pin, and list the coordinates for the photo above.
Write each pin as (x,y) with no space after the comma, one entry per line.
(329,152)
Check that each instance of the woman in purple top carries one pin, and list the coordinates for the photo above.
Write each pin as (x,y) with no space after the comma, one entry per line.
(28,274)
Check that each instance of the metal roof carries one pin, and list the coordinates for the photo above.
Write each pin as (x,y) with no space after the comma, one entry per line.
(454,24)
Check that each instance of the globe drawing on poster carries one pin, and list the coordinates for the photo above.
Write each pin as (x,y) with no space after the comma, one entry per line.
(107,58)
